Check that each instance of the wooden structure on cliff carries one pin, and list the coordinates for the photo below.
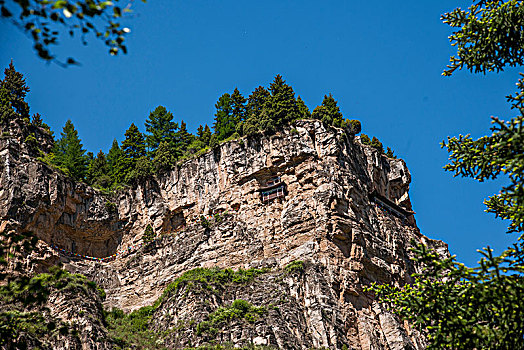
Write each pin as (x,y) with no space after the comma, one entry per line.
(391,207)
(274,188)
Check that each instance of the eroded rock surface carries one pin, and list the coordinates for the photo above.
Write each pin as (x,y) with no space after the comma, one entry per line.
(327,217)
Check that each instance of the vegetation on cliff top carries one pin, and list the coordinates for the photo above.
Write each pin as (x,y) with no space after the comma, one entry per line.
(165,142)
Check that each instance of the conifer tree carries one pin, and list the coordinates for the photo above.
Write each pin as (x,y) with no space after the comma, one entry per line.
(206,135)
(203,135)
(69,153)
(256,102)
(390,154)
(238,107)
(282,107)
(165,156)
(183,139)
(302,109)
(133,148)
(256,114)
(376,144)
(224,125)
(13,90)
(159,127)
(98,173)
(329,112)
(114,157)
(200,131)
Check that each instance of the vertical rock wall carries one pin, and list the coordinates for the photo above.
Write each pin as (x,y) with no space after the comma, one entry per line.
(327,217)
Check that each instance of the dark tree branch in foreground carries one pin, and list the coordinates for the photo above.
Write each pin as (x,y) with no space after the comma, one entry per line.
(44,20)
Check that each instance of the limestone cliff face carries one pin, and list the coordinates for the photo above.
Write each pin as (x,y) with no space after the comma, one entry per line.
(345,211)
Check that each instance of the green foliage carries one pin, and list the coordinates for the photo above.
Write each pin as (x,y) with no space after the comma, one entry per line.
(99,172)
(133,148)
(489,36)
(204,135)
(31,142)
(165,156)
(37,289)
(460,307)
(239,309)
(17,328)
(365,139)
(238,107)
(132,330)
(294,266)
(391,154)
(44,20)
(111,207)
(224,125)
(329,112)
(491,156)
(265,112)
(480,307)
(69,152)
(209,279)
(356,126)
(149,234)
(183,139)
(304,112)
(282,107)
(376,144)
(256,102)
(160,127)
(114,158)
(13,90)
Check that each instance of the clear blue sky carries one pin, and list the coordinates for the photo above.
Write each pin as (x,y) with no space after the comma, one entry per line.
(381,60)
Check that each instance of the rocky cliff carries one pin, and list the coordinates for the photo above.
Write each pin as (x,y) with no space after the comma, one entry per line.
(309,193)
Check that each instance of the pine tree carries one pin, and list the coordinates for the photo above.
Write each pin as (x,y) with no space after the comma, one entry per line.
(257,101)
(302,109)
(282,107)
(206,135)
(331,104)
(69,153)
(257,118)
(238,107)
(159,127)
(329,112)
(200,131)
(376,144)
(224,125)
(133,148)
(98,173)
(13,90)
(114,156)
(183,139)
(165,156)
(391,154)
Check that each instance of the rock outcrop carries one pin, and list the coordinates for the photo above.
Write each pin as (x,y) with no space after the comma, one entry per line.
(330,201)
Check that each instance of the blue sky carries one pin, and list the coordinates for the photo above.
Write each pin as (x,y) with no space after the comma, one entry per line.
(381,60)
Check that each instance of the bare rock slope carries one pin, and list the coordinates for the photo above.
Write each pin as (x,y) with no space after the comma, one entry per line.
(309,193)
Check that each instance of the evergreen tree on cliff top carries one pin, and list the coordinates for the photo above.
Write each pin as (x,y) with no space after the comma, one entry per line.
(13,90)
(224,125)
(238,107)
(99,172)
(282,107)
(69,153)
(183,139)
(159,127)
(133,149)
(329,112)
